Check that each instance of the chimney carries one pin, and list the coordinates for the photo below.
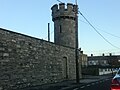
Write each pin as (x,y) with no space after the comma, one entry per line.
(110,54)
(81,52)
(91,55)
(103,54)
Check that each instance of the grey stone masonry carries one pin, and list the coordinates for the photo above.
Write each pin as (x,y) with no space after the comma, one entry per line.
(64,24)
(28,61)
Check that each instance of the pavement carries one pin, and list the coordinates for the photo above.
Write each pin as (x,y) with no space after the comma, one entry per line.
(68,85)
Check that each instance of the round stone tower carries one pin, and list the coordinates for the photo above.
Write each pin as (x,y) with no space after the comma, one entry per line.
(64,24)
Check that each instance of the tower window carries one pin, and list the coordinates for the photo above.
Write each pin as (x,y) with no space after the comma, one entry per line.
(60,29)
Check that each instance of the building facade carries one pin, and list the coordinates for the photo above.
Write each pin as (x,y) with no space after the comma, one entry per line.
(84,59)
(111,60)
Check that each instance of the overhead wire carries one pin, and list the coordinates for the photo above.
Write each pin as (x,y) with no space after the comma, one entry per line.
(59,1)
(97,30)
(102,30)
(111,34)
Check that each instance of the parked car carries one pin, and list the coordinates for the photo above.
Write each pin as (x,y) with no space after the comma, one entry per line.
(115,85)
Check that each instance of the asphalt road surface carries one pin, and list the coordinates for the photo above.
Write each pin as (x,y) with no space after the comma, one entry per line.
(100,85)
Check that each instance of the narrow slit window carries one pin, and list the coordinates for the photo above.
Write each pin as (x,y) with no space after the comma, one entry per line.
(60,29)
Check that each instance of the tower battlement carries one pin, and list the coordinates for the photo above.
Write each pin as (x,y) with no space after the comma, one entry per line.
(64,24)
(60,11)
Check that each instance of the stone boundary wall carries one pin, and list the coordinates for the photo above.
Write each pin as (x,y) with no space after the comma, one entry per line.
(28,61)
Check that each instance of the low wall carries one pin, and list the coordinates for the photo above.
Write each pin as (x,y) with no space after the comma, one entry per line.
(106,71)
(97,71)
(90,71)
(27,61)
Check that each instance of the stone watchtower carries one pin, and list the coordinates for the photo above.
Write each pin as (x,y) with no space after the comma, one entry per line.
(64,24)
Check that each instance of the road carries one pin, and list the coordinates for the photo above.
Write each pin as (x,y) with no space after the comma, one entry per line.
(100,85)
(103,84)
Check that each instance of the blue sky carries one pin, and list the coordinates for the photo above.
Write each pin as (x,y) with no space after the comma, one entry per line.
(31,17)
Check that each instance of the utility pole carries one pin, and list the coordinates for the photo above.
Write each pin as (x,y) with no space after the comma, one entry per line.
(49,32)
(76,47)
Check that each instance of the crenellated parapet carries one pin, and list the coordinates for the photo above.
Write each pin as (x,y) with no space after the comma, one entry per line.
(61,11)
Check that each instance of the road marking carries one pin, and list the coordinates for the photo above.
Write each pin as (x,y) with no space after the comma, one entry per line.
(106,79)
(93,83)
(88,85)
(82,87)
(76,89)
(64,88)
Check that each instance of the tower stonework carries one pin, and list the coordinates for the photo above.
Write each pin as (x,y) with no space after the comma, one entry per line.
(64,24)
